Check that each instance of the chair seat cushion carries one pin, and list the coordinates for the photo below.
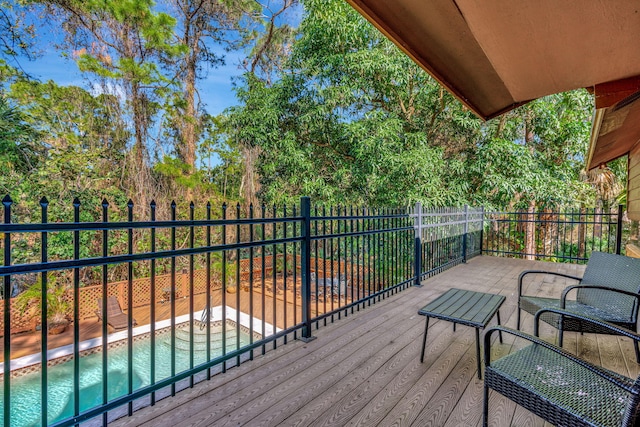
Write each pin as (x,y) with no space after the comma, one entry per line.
(613,314)
(542,380)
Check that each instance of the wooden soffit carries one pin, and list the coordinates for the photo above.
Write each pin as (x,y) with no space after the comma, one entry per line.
(615,131)
(496,55)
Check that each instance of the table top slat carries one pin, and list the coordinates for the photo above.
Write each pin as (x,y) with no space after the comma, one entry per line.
(478,311)
(465,307)
(489,309)
(454,304)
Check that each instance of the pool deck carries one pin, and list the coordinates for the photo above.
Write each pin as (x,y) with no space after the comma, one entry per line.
(28,343)
(365,369)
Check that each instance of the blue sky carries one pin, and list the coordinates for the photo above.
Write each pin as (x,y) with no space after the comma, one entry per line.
(215,89)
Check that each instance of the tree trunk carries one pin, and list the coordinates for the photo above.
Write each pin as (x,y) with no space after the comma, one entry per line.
(190,119)
(597,218)
(530,229)
(250,180)
(139,173)
(530,232)
(549,231)
(582,233)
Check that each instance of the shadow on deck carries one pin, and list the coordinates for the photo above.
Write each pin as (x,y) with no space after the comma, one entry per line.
(365,369)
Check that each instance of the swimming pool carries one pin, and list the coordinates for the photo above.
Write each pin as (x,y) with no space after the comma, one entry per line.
(26,389)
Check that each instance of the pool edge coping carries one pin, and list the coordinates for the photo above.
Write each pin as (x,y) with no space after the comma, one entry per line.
(216,315)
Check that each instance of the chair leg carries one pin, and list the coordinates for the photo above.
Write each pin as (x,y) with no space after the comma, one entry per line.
(560,336)
(485,407)
(637,351)
(518,323)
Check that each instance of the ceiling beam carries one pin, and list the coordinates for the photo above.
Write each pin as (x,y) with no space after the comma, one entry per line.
(608,94)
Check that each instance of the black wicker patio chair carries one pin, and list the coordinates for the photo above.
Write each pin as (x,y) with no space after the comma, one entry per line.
(609,290)
(559,387)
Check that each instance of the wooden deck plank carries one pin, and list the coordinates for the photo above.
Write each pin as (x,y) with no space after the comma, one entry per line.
(629,354)
(468,410)
(409,407)
(364,403)
(263,384)
(437,410)
(296,391)
(248,376)
(384,361)
(611,353)
(365,370)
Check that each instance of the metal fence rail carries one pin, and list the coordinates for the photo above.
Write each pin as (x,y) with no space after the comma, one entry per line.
(559,236)
(445,237)
(261,276)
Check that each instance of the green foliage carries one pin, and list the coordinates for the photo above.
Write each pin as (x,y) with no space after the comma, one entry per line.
(228,267)
(17,33)
(226,175)
(352,120)
(177,171)
(535,153)
(18,153)
(73,142)
(31,301)
(333,111)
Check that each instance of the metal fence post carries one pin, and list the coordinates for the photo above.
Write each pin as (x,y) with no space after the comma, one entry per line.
(417,225)
(305,253)
(619,230)
(465,234)
(6,295)
(481,229)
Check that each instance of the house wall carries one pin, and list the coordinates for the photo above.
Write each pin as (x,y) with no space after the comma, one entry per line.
(633,191)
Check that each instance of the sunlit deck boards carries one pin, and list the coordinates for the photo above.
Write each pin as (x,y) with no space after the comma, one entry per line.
(366,370)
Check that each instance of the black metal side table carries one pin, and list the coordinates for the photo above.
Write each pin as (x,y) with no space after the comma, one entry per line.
(468,308)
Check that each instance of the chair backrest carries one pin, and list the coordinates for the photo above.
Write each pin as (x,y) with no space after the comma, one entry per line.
(113,306)
(340,284)
(614,271)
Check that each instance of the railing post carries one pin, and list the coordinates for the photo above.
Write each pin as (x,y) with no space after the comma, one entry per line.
(481,229)
(619,231)
(417,225)
(6,295)
(305,253)
(465,234)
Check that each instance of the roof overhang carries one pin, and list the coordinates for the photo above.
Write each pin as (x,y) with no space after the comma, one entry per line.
(499,54)
(615,131)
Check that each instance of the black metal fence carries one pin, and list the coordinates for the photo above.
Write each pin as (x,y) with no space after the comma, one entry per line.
(558,236)
(446,237)
(198,294)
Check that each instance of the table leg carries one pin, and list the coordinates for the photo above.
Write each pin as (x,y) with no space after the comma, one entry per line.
(454,326)
(478,352)
(499,332)
(424,340)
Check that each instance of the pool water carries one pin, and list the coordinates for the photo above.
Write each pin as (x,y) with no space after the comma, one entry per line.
(26,389)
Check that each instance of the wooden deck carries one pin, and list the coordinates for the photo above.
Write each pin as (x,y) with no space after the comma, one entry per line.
(365,369)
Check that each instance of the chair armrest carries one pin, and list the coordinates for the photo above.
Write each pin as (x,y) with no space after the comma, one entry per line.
(603,373)
(606,325)
(524,273)
(568,289)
